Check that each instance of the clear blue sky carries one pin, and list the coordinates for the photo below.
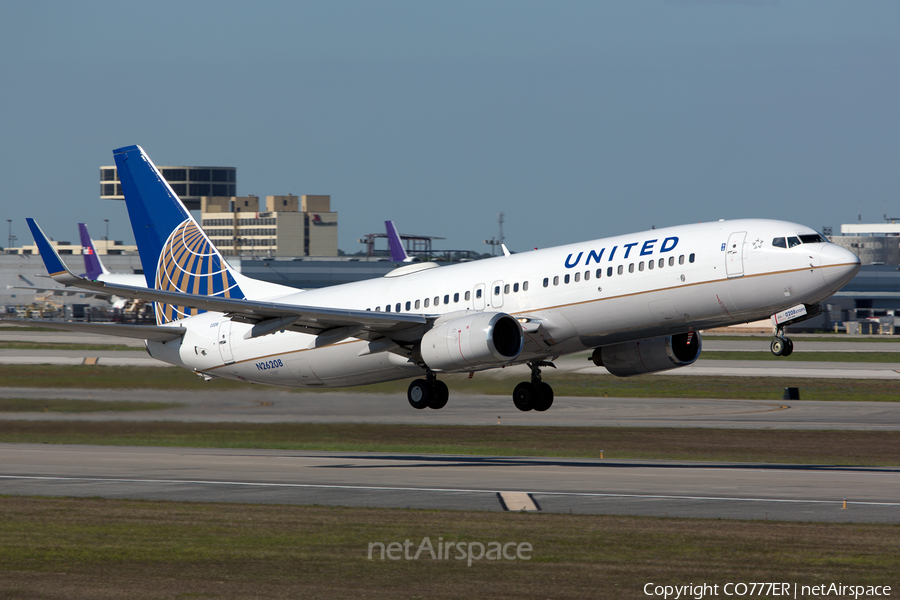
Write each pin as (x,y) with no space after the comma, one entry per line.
(576,119)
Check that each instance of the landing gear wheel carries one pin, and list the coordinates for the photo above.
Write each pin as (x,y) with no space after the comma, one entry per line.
(545,397)
(777,347)
(525,395)
(419,394)
(788,347)
(439,395)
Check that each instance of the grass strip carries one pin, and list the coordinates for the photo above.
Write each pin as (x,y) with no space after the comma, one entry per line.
(94,548)
(79,406)
(564,384)
(846,357)
(837,447)
(59,346)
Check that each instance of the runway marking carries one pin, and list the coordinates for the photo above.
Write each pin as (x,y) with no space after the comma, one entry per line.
(516,501)
(90,360)
(454,490)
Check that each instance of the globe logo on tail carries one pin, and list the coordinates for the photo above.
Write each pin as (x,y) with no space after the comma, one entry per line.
(189,263)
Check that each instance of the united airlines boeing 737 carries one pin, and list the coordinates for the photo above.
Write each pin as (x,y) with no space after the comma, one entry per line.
(636,301)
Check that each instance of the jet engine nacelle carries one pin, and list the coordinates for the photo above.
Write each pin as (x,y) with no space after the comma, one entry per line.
(649,356)
(479,340)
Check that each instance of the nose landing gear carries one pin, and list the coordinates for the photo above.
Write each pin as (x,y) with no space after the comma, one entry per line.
(781,346)
(534,394)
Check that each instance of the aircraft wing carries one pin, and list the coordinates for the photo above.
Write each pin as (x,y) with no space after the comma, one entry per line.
(58,291)
(139,332)
(267,317)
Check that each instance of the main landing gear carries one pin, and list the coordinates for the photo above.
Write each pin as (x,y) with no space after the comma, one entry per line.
(428,392)
(781,346)
(534,394)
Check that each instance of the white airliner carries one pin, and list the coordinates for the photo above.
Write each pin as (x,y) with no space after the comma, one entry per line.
(636,300)
(95,270)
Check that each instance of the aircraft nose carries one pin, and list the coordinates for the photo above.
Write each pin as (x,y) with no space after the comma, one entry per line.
(839,266)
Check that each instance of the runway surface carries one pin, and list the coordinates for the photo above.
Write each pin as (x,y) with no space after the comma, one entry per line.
(658,488)
(268,405)
(709,490)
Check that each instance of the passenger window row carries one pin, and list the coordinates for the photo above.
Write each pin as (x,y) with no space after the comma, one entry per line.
(620,270)
(446,299)
(506,288)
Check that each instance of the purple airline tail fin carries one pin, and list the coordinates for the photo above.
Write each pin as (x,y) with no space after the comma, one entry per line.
(93,266)
(398,254)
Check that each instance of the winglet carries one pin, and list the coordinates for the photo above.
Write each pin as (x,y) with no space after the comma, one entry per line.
(52,261)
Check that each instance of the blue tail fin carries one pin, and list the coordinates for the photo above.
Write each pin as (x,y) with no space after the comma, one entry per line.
(175,253)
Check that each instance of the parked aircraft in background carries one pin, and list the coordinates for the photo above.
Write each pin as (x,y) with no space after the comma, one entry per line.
(94,267)
(635,300)
(96,271)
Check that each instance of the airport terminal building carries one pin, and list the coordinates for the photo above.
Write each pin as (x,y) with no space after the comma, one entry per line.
(287,225)
(190,183)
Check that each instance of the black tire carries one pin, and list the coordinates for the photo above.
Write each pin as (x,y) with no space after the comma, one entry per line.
(418,394)
(788,347)
(439,395)
(545,397)
(524,396)
(777,347)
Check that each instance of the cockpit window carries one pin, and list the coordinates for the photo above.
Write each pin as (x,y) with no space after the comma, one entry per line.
(812,238)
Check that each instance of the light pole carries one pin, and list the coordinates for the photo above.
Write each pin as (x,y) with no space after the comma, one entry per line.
(106,237)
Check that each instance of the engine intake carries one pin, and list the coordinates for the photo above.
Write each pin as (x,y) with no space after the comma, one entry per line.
(484,339)
(649,356)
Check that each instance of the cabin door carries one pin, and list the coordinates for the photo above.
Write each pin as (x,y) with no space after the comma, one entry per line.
(734,254)
(225,341)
